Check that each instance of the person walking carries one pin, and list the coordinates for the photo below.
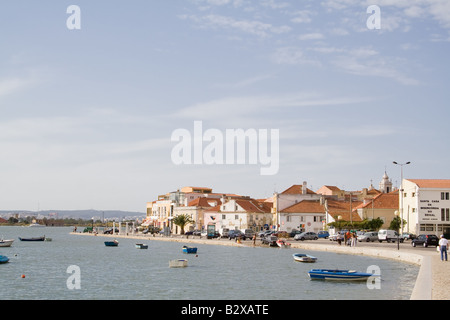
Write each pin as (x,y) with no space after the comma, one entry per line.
(443,245)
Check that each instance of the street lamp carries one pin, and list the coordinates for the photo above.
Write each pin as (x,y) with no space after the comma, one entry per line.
(401,191)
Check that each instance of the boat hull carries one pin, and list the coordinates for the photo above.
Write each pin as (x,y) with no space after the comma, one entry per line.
(141,246)
(338,275)
(6,243)
(178,263)
(32,239)
(300,257)
(189,249)
(3,259)
(111,243)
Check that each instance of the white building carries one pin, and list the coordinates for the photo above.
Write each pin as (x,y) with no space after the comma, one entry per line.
(426,206)
(305,216)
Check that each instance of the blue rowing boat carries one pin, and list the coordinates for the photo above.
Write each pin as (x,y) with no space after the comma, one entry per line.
(342,275)
(187,249)
(114,243)
(4,259)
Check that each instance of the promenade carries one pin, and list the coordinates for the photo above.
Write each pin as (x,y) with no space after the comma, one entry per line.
(432,282)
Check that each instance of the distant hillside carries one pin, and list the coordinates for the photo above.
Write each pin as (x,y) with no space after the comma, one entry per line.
(77,214)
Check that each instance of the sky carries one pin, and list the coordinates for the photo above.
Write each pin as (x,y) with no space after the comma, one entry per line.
(88,114)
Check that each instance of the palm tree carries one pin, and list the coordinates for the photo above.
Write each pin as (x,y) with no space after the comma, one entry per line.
(182,220)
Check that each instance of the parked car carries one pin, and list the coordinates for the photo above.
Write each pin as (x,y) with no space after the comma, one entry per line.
(233,234)
(388,236)
(408,236)
(249,233)
(110,231)
(225,232)
(265,233)
(425,240)
(294,232)
(323,234)
(306,236)
(196,232)
(368,237)
(270,240)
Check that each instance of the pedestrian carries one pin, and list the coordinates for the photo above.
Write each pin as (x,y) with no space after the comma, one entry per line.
(443,245)
(254,239)
(353,243)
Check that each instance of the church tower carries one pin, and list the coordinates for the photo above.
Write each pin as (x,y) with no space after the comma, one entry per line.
(385,185)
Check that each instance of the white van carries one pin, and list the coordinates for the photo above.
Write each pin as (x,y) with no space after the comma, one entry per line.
(224,233)
(388,236)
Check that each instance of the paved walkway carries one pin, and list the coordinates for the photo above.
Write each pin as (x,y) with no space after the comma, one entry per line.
(433,280)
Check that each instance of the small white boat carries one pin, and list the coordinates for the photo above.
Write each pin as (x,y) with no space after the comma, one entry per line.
(178,263)
(283,244)
(141,246)
(35,224)
(6,243)
(301,257)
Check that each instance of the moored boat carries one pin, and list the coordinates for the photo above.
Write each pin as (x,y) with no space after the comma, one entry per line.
(6,243)
(301,257)
(178,263)
(141,246)
(341,275)
(32,239)
(4,259)
(114,243)
(187,249)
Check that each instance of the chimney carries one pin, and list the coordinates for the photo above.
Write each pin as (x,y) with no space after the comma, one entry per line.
(304,187)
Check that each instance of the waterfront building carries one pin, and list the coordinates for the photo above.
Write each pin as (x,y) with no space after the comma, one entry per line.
(195,210)
(239,214)
(425,205)
(341,210)
(304,216)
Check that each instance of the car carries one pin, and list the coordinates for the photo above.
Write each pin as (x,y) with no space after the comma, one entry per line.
(189,233)
(270,240)
(110,231)
(233,234)
(368,237)
(265,233)
(196,232)
(323,234)
(425,240)
(306,236)
(388,236)
(294,232)
(249,233)
(408,236)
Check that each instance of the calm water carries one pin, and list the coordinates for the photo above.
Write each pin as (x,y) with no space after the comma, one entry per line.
(219,272)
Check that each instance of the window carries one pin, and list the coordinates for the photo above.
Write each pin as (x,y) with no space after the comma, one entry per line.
(224,217)
(445,195)
(236,217)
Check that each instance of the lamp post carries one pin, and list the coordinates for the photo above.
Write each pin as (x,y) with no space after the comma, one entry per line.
(401,191)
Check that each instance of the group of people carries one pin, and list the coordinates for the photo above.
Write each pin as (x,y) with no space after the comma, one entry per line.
(350,238)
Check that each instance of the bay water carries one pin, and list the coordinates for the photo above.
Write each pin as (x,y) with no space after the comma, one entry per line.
(41,270)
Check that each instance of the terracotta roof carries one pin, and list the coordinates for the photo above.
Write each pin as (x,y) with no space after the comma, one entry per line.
(305,206)
(253,205)
(382,201)
(431,183)
(297,189)
(3,220)
(342,208)
(204,202)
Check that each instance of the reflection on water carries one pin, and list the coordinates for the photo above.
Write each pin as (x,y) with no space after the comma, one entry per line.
(218,272)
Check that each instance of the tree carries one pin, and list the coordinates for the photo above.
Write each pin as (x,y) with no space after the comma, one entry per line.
(396,223)
(182,220)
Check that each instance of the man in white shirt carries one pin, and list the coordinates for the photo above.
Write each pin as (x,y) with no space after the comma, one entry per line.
(443,245)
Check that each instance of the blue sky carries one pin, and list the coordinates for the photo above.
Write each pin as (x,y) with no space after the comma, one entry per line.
(87,115)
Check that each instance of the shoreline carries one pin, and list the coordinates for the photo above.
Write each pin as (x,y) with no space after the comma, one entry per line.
(429,283)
